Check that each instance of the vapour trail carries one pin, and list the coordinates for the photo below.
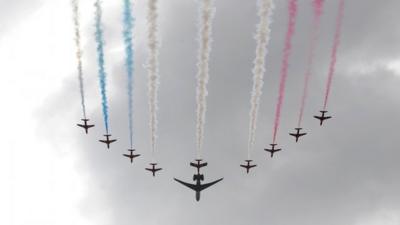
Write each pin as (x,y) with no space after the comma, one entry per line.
(285,63)
(336,42)
(207,12)
(152,69)
(101,63)
(129,61)
(318,6)
(265,9)
(75,7)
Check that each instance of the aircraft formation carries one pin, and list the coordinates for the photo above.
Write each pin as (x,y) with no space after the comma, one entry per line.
(207,12)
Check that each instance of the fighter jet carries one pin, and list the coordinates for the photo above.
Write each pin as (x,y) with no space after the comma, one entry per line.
(131,155)
(153,169)
(322,117)
(198,186)
(248,166)
(198,164)
(298,134)
(85,125)
(107,141)
(272,150)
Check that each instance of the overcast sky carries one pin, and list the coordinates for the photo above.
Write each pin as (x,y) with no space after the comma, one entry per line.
(346,172)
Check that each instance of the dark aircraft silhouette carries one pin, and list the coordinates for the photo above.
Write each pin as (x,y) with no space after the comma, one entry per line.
(198,186)
(322,117)
(248,166)
(298,134)
(198,164)
(107,141)
(131,155)
(153,169)
(85,125)
(273,150)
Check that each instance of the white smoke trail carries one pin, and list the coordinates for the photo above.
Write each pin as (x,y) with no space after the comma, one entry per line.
(152,69)
(207,12)
(262,37)
(75,7)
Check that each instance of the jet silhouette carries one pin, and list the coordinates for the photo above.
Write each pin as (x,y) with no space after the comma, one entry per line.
(198,186)
(107,141)
(131,155)
(153,169)
(322,118)
(248,166)
(298,134)
(273,150)
(85,125)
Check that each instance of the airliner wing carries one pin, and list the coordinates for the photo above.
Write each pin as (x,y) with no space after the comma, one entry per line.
(204,186)
(191,186)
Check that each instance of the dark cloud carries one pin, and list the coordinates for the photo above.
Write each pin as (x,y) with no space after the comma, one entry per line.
(338,174)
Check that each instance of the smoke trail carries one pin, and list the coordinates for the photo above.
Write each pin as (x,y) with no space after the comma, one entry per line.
(128,26)
(285,63)
(318,6)
(207,12)
(100,59)
(152,69)
(262,38)
(75,7)
(336,43)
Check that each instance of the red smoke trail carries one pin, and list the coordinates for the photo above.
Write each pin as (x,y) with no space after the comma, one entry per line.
(336,43)
(318,6)
(285,62)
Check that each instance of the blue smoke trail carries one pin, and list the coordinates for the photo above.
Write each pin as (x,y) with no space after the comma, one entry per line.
(127,32)
(100,58)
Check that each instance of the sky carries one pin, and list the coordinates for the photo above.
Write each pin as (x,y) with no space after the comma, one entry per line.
(343,173)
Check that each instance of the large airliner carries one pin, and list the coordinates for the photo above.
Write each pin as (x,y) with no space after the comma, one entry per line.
(198,186)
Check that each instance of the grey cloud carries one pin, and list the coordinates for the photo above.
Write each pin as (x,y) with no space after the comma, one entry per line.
(337,175)
(15,11)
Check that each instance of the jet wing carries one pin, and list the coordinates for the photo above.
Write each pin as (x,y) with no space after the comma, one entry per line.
(158,169)
(204,186)
(126,155)
(318,117)
(89,126)
(104,141)
(294,135)
(302,134)
(191,186)
(111,141)
(80,125)
(252,166)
